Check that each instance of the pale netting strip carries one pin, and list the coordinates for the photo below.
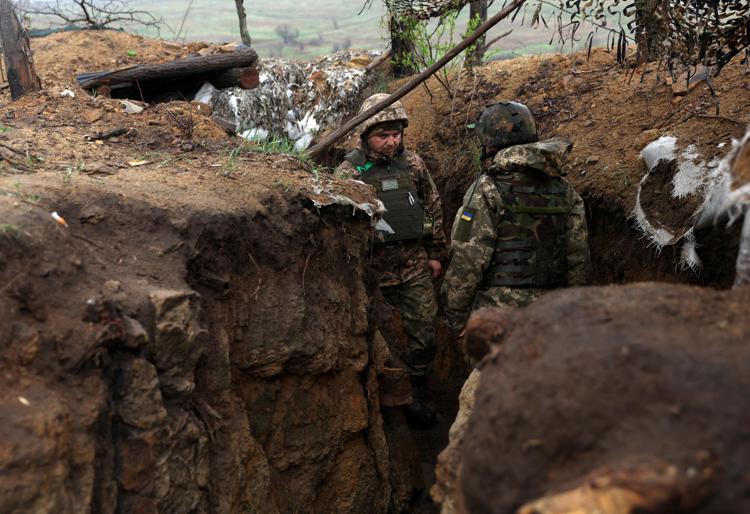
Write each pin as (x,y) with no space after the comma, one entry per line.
(423,9)
(713,181)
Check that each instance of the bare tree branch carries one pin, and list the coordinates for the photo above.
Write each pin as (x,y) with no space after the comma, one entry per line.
(97,14)
(242,15)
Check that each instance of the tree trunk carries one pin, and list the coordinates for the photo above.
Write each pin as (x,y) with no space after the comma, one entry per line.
(412,84)
(402,48)
(651,28)
(22,77)
(244,34)
(477,11)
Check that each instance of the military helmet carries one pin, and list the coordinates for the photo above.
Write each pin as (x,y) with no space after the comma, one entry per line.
(505,124)
(394,112)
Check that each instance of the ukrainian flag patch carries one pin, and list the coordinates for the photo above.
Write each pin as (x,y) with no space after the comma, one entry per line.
(467,215)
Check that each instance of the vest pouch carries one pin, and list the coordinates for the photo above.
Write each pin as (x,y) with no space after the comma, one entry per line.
(404,218)
(405,212)
(531,246)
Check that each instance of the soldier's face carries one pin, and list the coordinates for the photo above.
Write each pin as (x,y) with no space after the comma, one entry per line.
(386,142)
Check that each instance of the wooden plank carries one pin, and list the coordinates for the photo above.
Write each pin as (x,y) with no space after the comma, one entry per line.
(240,58)
(246,78)
(22,77)
(416,81)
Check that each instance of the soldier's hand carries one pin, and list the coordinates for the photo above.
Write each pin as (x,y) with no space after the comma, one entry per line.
(436,268)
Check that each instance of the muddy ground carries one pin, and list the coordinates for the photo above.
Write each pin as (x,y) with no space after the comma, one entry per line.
(638,387)
(275,281)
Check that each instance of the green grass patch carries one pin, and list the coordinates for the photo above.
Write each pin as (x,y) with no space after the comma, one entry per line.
(9,230)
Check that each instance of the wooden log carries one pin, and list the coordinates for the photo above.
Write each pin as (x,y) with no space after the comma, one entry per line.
(22,77)
(380,60)
(415,82)
(180,68)
(246,78)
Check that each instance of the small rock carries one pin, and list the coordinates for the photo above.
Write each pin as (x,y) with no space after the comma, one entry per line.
(202,108)
(164,300)
(588,123)
(592,159)
(131,107)
(135,335)
(92,116)
(113,286)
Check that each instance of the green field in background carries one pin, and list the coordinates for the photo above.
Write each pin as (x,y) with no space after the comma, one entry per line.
(324,26)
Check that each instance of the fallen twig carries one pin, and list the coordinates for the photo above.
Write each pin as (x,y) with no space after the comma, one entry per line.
(498,38)
(380,60)
(101,136)
(600,70)
(304,273)
(14,150)
(260,279)
(710,117)
(12,281)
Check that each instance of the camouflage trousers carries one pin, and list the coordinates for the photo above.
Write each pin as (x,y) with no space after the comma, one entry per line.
(514,297)
(415,302)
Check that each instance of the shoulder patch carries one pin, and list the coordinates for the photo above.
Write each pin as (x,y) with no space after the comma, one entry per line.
(468,214)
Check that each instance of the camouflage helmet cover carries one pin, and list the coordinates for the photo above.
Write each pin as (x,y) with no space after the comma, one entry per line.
(394,112)
(505,124)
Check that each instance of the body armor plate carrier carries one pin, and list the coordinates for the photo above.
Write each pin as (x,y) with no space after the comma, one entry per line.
(405,213)
(530,246)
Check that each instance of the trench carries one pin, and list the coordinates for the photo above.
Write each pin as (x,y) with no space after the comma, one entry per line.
(258,370)
(620,255)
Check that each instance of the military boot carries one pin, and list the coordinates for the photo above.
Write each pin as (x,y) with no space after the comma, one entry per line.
(417,413)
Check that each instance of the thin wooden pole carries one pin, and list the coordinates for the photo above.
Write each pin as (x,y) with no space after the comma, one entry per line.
(412,84)
(380,60)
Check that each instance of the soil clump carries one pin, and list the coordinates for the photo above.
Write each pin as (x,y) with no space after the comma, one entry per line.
(651,402)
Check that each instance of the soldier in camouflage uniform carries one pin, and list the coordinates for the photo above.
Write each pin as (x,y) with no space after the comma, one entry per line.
(520,232)
(409,242)
(522,229)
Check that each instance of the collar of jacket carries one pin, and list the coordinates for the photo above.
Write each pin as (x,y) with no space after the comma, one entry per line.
(378,158)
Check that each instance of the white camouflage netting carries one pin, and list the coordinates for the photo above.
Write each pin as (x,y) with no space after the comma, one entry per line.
(296,100)
(423,9)
(713,181)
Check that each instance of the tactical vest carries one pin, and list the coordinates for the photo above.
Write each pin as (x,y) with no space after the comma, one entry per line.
(405,214)
(530,245)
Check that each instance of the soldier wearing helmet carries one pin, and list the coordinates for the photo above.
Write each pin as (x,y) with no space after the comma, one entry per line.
(522,229)
(409,242)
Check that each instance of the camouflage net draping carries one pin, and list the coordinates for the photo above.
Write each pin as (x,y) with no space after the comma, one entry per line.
(423,9)
(681,32)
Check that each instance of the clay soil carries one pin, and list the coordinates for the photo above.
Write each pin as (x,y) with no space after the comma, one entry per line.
(663,209)
(616,380)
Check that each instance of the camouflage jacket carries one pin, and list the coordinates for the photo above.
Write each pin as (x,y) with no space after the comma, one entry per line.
(471,256)
(403,261)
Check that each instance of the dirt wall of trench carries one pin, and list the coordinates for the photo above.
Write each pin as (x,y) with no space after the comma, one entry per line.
(160,355)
